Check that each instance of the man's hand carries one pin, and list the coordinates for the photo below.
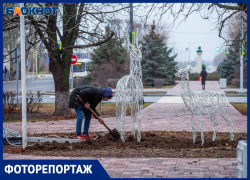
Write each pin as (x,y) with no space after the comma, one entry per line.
(87,105)
(101,121)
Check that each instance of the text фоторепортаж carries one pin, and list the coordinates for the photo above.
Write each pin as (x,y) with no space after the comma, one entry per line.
(48,169)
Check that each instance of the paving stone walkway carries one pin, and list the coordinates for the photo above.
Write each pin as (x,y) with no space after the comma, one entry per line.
(157,167)
(195,86)
(164,115)
(169,113)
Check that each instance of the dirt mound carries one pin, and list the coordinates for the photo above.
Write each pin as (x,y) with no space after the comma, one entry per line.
(164,144)
(148,140)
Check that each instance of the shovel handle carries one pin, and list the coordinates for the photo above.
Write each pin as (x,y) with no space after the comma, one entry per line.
(98,118)
(94,113)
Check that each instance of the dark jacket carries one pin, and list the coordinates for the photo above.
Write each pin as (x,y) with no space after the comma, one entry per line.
(203,74)
(91,94)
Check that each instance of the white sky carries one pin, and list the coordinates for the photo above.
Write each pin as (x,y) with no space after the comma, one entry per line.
(194,32)
(208,42)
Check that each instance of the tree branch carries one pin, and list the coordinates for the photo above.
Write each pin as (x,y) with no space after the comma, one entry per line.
(90,45)
(238,8)
(35,24)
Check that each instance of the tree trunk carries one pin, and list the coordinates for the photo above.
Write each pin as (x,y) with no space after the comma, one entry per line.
(60,70)
(61,103)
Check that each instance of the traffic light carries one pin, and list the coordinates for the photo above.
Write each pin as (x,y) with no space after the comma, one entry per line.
(217,49)
(60,47)
(196,49)
(226,51)
(243,47)
(133,37)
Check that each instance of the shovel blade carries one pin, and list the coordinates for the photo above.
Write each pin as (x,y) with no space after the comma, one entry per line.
(115,134)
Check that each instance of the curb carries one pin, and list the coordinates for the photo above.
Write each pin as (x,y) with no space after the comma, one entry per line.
(29,80)
(236,95)
(114,95)
(146,94)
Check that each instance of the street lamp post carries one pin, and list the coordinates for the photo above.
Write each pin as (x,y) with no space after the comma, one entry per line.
(23,76)
(17,74)
(241,90)
(131,41)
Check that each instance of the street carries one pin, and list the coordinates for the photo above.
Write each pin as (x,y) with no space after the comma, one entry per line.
(41,85)
(51,99)
(48,86)
(153,99)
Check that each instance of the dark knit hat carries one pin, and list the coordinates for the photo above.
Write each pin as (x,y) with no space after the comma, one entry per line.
(108,93)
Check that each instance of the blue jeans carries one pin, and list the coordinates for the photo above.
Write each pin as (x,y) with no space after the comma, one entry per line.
(80,114)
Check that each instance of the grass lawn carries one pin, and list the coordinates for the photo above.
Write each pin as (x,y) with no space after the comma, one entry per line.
(241,107)
(39,72)
(45,72)
(233,87)
(163,87)
(45,113)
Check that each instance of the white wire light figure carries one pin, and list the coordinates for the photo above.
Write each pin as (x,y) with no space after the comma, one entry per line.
(199,103)
(129,92)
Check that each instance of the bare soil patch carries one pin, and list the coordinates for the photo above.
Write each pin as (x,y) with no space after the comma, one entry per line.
(153,144)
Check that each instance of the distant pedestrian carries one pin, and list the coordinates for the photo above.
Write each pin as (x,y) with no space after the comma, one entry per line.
(203,74)
(5,70)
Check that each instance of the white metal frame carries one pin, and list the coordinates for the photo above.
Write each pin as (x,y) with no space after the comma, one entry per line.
(129,92)
(199,103)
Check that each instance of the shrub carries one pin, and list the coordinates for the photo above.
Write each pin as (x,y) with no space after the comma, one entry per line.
(194,76)
(213,76)
(33,100)
(203,65)
(210,76)
(87,79)
(158,83)
(112,83)
(77,82)
(9,100)
(236,83)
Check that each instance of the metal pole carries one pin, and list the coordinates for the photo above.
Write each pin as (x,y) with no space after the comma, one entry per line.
(189,53)
(23,83)
(130,38)
(72,77)
(131,22)
(33,64)
(17,74)
(241,91)
(174,51)
(36,59)
(34,55)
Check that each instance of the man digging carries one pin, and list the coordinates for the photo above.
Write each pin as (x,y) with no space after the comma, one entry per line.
(91,97)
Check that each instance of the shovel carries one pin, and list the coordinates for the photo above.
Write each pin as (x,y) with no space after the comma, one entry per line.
(114,133)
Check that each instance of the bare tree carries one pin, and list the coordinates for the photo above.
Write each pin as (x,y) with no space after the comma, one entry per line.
(224,12)
(234,26)
(72,25)
(121,28)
